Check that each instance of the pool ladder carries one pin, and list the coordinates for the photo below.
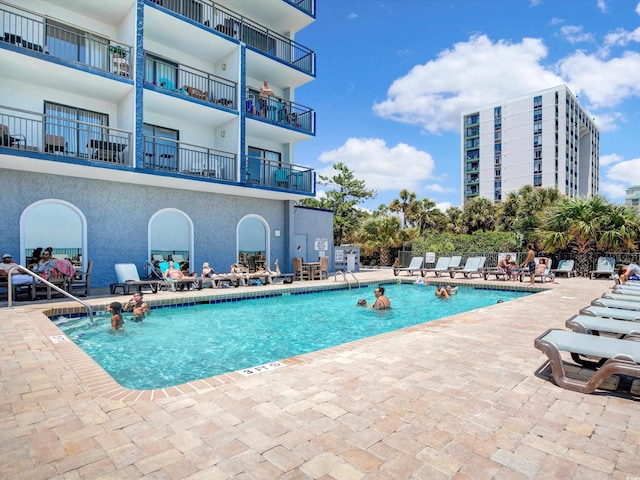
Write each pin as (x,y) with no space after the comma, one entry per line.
(26,271)
(344,276)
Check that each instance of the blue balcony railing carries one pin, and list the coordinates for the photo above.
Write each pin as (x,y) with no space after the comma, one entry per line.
(307,6)
(253,34)
(285,176)
(46,36)
(64,137)
(189,82)
(280,111)
(167,155)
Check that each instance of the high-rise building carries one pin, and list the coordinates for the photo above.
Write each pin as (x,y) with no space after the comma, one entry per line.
(633,198)
(142,129)
(543,139)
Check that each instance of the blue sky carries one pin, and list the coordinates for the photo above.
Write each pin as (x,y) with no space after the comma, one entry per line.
(394,75)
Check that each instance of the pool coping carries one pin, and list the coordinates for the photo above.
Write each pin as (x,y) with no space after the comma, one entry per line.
(101,384)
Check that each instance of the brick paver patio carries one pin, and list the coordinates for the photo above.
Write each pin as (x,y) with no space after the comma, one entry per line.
(453,399)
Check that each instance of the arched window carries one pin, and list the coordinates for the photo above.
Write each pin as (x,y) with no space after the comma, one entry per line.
(253,240)
(171,236)
(54,223)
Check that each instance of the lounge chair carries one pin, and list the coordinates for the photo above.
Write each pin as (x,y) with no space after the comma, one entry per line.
(605,266)
(596,325)
(620,304)
(626,289)
(455,262)
(615,313)
(471,266)
(415,265)
(81,281)
(181,283)
(565,267)
(627,297)
(442,265)
(497,271)
(623,357)
(127,275)
(547,275)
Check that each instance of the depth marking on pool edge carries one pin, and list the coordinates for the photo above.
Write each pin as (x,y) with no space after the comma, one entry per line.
(261,368)
(59,339)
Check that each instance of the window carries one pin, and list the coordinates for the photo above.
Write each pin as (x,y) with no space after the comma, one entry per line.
(61,120)
(537,180)
(261,164)
(537,102)
(497,136)
(498,172)
(497,147)
(161,148)
(497,159)
(472,119)
(64,41)
(160,72)
(497,112)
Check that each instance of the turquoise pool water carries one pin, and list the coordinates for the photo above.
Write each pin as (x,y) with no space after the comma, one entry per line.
(177,345)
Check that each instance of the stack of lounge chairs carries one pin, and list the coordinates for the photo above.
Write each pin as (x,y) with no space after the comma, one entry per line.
(603,344)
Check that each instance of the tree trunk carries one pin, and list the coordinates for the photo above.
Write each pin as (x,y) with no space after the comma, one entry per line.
(385,256)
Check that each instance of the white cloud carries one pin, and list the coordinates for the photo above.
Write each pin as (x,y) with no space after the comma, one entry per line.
(556,21)
(434,187)
(638,9)
(444,206)
(608,122)
(606,83)
(471,74)
(383,168)
(534,3)
(575,34)
(619,176)
(622,37)
(610,159)
(612,191)
(602,5)
(352,16)
(627,172)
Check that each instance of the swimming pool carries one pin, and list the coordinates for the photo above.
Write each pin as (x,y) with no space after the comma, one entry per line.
(178,345)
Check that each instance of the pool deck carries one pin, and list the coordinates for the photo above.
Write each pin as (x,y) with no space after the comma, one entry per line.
(459,398)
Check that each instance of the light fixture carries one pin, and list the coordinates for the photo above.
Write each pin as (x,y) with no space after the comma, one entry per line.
(222,133)
(224,66)
(276,233)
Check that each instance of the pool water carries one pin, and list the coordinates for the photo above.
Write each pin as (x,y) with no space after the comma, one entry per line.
(178,345)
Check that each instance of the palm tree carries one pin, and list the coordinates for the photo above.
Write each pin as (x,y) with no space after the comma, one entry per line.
(382,233)
(479,214)
(586,226)
(403,204)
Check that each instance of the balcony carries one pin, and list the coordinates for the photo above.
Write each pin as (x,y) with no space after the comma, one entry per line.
(280,112)
(233,25)
(307,6)
(167,155)
(23,130)
(268,173)
(189,82)
(31,33)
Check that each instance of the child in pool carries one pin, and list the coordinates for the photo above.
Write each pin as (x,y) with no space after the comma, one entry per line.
(117,322)
(362,302)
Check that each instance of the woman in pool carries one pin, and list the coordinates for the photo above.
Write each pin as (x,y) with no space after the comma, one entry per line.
(382,302)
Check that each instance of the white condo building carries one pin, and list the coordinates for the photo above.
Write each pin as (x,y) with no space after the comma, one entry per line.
(544,139)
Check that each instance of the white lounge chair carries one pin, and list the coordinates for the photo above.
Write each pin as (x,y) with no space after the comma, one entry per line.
(565,267)
(605,266)
(442,265)
(471,266)
(415,265)
(127,275)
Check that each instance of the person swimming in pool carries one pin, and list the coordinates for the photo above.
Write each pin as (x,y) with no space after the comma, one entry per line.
(139,307)
(382,302)
(117,322)
(442,292)
(362,303)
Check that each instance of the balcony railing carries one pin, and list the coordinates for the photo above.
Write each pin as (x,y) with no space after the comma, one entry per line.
(167,155)
(269,173)
(36,132)
(31,32)
(253,34)
(282,112)
(189,81)
(307,6)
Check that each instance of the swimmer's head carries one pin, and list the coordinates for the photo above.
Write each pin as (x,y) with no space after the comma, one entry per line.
(114,307)
(362,302)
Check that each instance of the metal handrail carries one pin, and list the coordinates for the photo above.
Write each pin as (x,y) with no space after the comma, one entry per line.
(22,269)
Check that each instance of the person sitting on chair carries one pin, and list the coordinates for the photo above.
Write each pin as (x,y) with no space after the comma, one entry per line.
(631,270)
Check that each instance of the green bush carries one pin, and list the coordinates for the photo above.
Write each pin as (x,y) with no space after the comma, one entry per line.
(448,243)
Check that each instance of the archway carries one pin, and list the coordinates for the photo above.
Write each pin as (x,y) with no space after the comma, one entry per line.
(57,224)
(252,235)
(171,236)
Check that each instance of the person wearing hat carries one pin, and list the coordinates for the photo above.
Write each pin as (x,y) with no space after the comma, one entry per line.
(17,277)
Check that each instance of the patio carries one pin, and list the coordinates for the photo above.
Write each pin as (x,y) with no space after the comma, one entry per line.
(457,398)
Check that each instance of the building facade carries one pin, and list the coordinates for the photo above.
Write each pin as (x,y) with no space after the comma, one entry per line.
(544,139)
(139,129)
(632,199)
